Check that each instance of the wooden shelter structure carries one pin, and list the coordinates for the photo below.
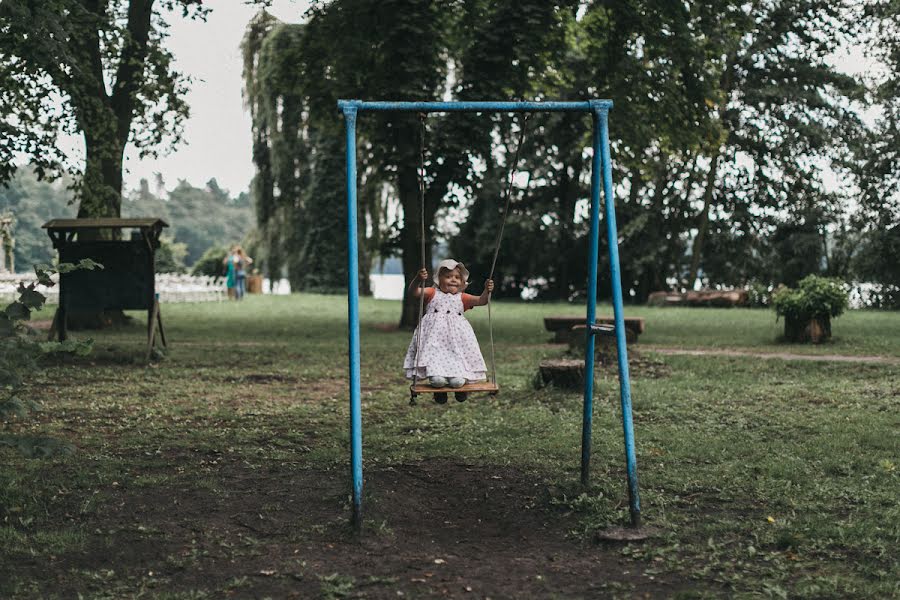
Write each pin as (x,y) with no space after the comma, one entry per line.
(126,281)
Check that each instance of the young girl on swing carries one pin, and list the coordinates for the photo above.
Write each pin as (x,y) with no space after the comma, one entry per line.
(447,355)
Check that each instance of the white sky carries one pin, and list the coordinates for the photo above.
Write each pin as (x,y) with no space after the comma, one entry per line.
(217,141)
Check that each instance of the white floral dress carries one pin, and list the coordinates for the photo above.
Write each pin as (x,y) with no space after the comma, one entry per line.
(449,347)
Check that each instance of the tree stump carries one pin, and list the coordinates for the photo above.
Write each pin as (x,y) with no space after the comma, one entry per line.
(562,372)
(815,330)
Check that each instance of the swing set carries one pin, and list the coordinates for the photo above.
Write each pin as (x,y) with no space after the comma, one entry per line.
(600,167)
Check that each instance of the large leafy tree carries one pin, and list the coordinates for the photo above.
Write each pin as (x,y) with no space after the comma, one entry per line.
(294,75)
(725,114)
(99,68)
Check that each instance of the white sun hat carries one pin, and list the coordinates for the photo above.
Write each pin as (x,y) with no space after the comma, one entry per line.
(450,264)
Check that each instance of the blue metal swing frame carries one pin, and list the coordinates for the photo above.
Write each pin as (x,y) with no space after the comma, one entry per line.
(600,167)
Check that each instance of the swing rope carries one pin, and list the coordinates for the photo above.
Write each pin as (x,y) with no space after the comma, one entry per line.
(421,173)
(509,182)
(508,192)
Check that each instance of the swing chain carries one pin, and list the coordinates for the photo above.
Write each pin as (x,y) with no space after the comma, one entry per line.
(509,183)
(421,176)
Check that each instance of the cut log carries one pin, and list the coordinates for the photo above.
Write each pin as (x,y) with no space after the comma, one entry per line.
(563,373)
(815,331)
(725,298)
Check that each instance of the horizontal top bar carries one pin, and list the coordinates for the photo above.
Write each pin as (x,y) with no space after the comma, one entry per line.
(102,223)
(430,107)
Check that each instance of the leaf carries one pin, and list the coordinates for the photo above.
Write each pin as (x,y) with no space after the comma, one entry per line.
(78,348)
(31,298)
(43,273)
(17,312)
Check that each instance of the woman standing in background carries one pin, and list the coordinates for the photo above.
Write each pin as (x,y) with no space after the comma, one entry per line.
(237,263)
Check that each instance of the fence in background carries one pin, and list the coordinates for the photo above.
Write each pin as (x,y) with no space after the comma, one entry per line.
(171,287)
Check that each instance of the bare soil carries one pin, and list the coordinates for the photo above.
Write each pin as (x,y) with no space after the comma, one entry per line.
(437,529)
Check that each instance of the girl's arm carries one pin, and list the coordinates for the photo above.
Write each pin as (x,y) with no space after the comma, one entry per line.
(415,287)
(485,296)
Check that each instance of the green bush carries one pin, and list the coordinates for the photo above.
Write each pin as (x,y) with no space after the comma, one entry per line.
(815,298)
(170,256)
(210,263)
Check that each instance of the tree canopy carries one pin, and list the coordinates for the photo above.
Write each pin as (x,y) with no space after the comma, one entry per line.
(199,217)
(730,121)
(107,64)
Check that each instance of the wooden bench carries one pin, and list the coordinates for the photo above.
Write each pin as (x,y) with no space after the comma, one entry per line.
(562,327)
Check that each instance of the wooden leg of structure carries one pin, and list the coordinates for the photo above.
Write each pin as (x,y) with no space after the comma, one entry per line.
(162,332)
(151,328)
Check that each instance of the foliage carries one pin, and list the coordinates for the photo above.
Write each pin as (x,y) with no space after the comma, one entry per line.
(107,62)
(210,263)
(19,354)
(877,259)
(725,114)
(199,217)
(759,295)
(815,298)
(170,256)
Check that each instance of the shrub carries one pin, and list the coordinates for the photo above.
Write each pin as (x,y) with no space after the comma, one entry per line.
(758,295)
(815,298)
(20,350)
(808,310)
(170,256)
(210,263)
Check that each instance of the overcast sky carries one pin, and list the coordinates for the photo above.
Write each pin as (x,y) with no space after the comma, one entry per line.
(217,135)
(217,139)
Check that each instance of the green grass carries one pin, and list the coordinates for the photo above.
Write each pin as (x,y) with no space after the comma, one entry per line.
(767,478)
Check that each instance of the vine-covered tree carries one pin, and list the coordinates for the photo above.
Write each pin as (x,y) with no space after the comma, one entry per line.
(293,76)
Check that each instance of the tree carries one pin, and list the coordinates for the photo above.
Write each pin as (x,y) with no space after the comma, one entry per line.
(294,75)
(106,63)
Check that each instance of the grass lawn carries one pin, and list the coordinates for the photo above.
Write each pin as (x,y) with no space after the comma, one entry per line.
(222,469)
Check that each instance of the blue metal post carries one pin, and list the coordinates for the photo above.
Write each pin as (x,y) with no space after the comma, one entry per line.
(612,238)
(593,251)
(350,111)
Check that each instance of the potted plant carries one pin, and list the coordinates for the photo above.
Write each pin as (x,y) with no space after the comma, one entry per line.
(808,310)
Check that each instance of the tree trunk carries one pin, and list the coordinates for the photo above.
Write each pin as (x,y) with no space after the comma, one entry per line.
(101,194)
(814,330)
(703,224)
(105,119)
(410,242)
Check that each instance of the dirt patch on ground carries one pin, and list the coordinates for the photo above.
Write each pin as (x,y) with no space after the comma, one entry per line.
(437,529)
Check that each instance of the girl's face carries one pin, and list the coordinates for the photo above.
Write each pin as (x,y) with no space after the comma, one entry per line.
(451,282)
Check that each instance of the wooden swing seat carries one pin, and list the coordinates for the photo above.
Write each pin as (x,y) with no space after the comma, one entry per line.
(477,386)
